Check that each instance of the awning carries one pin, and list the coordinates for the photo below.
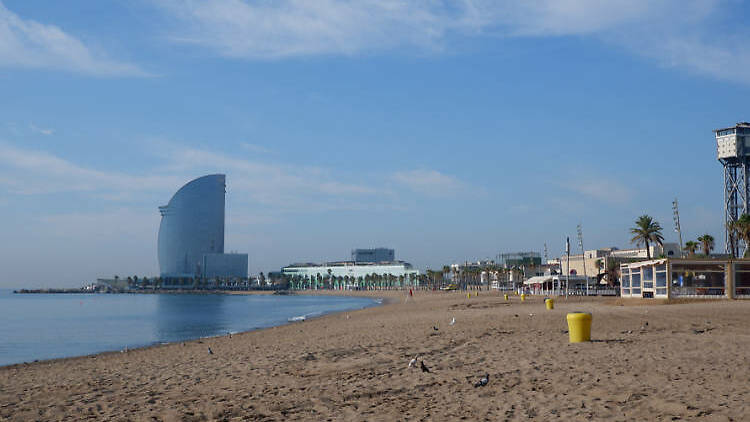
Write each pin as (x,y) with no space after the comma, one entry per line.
(640,264)
(541,279)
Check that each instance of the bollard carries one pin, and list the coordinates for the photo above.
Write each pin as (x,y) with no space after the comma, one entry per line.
(523,297)
(549,303)
(506,298)
(579,326)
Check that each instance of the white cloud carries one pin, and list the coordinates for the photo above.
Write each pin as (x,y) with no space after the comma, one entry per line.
(43,131)
(601,190)
(26,43)
(430,182)
(254,148)
(30,172)
(675,33)
(286,28)
(280,186)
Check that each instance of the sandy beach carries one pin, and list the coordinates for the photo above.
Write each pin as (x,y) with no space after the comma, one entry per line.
(646,362)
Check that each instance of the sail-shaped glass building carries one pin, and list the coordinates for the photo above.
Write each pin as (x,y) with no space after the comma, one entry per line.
(191,234)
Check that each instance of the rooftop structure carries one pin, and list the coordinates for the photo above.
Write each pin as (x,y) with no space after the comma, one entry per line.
(374,255)
(520,259)
(733,152)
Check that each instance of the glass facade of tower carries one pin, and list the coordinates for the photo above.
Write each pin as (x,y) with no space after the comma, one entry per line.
(192,225)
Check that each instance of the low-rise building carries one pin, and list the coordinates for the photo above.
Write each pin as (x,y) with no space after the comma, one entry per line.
(597,262)
(350,269)
(686,278)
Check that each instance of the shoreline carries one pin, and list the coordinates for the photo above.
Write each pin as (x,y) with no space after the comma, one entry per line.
(353,366)
(94,355)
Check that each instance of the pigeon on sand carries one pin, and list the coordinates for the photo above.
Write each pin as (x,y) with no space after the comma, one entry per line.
(483,381)
(413,362)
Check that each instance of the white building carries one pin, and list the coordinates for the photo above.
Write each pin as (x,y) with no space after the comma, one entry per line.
(350,269)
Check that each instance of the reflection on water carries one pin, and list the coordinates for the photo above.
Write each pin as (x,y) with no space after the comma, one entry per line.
(181,316)
(40,326)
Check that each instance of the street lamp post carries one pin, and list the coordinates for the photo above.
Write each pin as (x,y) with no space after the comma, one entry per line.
(583,254)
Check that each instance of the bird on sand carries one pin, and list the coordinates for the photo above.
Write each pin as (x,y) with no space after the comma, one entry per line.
(210,352)
(413,362)
(483,381)
(423,366)
(453,321)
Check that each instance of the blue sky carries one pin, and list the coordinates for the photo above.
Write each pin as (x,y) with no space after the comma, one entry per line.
(447,130)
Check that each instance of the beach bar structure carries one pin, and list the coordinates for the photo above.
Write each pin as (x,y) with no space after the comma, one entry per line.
(686,278)
(554,285)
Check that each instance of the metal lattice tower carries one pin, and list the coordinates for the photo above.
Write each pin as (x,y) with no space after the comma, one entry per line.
(733,151)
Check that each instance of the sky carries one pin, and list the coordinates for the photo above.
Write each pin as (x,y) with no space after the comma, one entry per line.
(448,130)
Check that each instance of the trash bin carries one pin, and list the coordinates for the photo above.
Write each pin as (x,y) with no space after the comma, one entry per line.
(549,303)
(579,327)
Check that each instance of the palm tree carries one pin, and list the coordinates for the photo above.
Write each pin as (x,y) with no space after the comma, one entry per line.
(707,243)
(646,230)
(742,229)
(690,247)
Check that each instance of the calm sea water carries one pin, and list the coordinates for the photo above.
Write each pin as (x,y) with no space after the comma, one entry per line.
(46,326)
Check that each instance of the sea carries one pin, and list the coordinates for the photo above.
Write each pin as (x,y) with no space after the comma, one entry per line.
(48,326)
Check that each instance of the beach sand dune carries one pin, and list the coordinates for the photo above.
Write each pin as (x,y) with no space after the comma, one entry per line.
(689,361)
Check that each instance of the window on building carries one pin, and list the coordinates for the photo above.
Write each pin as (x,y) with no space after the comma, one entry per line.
(698,280)
(635,279)
(742,279)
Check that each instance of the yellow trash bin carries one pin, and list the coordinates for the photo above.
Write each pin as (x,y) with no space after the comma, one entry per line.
(506,297)
(549,303)
(579,326)
(523,297)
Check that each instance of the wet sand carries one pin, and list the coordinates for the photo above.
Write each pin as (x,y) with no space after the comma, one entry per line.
(689,362)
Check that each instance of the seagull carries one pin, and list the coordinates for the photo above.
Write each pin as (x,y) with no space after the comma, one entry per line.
(413,362)
(453,321)
(482,382)
(210,352)
(423,366)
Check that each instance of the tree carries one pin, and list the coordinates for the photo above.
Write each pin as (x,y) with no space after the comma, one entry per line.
(707,243)
(741,228)
(646,230)
(690,247)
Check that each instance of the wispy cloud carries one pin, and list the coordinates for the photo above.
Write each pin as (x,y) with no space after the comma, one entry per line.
(43,131)
(29,172)
(279,186)
(600,189)
(254,148)
(430,182)
(685,34)
(25,43)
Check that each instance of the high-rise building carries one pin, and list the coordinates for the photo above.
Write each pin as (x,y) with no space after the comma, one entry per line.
(191,233)
(374,255)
